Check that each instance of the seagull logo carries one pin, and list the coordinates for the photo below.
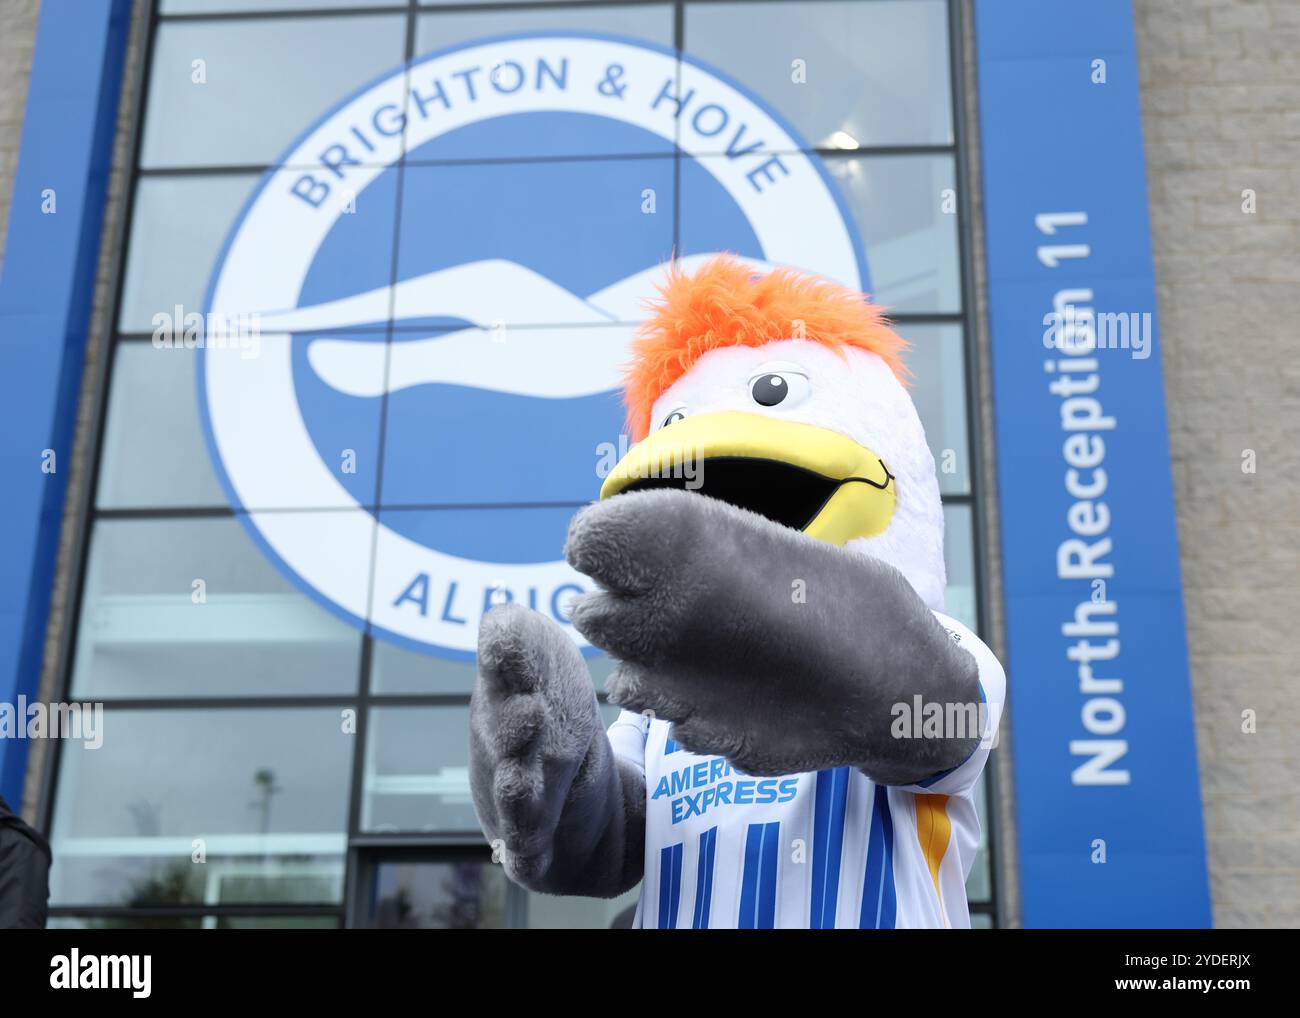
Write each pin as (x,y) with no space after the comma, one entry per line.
(479,293)
(447,270)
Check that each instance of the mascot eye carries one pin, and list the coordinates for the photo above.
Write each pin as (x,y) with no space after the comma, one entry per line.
(779,388)
(674,416)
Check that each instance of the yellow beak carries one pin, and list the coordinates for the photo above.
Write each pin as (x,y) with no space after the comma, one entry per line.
(800,475)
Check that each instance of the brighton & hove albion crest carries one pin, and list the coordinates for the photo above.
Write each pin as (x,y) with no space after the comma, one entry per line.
(447,270)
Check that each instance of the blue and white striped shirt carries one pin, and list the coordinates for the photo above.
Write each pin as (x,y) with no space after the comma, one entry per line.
(823,850)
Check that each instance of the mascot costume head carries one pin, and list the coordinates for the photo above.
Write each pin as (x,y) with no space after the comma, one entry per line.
(795,388)
(768,560)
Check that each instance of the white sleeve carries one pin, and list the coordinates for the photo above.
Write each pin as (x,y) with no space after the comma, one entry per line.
(993,692)
(627,736)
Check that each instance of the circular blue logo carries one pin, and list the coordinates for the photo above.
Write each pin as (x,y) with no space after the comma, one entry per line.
(441,281)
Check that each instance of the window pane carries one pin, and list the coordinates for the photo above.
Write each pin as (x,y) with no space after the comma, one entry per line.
(538,134)
(439,30)
(552,912)
(938,362)
(910,242)
(265,81)
(979,886)
(154,453)
(495,211)
(191,607)
(178,225)
(874,73)
(897,203)
(416,776)
(465,3)
(468,895)
(959,561)
(213,807)
(395,669)
(609,712)
(602,667)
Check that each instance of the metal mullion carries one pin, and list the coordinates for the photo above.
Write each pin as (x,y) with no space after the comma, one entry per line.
(79,552)
(884,151)
(823,152)
(397,7)
(233,170)
(311,13)
(515,5)
(418,699)
(228,512)
(352,869)
(927,317)
(452,840)
(172,512)
(239,702)
(973,363)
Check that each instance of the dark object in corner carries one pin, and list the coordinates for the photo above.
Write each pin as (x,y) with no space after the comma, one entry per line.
(24,873)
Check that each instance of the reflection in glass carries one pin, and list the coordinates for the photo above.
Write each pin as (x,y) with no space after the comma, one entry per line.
(178,225)
(937,361)
(903,205)
(153,453)
(549,912)
(396,669)
(979,885)
(845,74)
(959,561)
(192,607)
(898,204)
(416,776)
(214,807)
(440,30)
(263,81)
(452,895)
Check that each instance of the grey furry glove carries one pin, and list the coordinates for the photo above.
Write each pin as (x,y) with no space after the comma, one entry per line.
(700,605)
(567,816)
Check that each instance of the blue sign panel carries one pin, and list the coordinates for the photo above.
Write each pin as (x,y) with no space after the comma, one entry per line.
(45,297)
(1107,795)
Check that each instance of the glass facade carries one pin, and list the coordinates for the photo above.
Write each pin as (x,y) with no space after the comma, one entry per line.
(271,763)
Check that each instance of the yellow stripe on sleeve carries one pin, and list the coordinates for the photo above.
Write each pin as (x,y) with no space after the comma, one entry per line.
(933,831)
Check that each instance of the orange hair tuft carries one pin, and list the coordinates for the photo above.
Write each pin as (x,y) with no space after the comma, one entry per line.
(727,304)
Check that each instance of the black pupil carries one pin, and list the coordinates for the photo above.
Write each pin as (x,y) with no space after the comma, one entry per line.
(769,390)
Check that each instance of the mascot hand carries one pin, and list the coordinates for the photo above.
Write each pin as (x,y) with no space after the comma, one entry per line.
(761,644)
(564,815)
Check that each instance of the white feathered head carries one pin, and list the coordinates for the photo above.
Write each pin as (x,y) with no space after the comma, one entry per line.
(785,394)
